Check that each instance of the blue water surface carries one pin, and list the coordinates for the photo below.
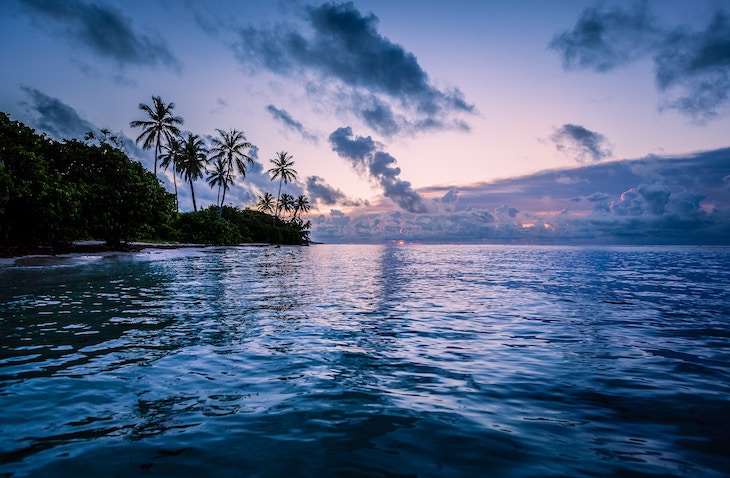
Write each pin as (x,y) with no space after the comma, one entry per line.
(352,360)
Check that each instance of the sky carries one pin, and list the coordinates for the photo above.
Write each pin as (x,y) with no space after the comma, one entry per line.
(417,121)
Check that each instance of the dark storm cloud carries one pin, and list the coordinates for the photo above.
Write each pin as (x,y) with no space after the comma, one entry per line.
(344,45)
(322,194)
(55,117)
(697,64)
(692,67)
(378,115)
(365,156)
(104,31)
(291,123)
(580,143)
(61,121)
(353,149)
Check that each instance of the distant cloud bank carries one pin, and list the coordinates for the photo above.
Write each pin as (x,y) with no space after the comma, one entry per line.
(692,68)
(654,200)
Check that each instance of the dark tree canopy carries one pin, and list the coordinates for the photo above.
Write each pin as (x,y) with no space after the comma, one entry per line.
(53,191)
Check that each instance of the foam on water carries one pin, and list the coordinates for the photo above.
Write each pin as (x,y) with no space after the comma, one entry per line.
(368,361)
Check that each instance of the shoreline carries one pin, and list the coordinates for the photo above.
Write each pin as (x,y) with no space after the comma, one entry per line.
(94,247)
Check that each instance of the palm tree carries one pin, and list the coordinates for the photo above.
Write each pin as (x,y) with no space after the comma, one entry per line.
(161,124)
(230,148)
(287,203)
(193,158)
(220,176)
(266,203)
(171,157)
(283,170)
(301,204)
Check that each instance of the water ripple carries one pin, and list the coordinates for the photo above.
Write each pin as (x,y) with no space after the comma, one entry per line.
(368,361)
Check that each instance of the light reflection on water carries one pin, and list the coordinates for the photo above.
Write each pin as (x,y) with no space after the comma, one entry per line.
(368,360)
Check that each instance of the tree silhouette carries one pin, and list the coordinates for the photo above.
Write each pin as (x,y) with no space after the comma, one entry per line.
(221,177)
(266,203)
(301,204)
(171,157)
(193,158)
(287,203)
(283,170)
(161,124)
(230,147)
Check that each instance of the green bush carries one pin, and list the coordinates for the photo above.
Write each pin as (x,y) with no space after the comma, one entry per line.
(235,226)
(53,192)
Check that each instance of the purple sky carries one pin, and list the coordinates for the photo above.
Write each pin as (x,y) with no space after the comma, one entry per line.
(527,121)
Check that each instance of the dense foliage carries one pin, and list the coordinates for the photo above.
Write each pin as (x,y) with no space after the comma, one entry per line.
(57,192)
(237,226)
(62,191)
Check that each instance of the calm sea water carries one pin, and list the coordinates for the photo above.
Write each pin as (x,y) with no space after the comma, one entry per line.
(383,361)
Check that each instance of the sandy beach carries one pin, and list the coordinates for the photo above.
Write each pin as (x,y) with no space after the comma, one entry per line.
(39,256)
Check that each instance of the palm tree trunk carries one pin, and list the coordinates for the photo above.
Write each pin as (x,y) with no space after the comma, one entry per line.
(223,199)
(174,182)
(219,202)
(192,191)
(278,196)
(157,152)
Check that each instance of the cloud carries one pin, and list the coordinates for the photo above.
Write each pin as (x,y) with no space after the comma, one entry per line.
(382,82)
(692,68)
(450,200)
(505,210)
(55,117)
(365,155)
(220,106)
(322,194)
(581,144)
(291,123)
(354,149)
(61,121)
(104,31)
(452,195)
(652,200)
(606,39)
(598,197)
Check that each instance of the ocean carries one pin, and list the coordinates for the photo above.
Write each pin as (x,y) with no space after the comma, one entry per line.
(367,361)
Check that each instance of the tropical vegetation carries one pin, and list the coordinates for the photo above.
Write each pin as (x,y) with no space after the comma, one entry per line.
(282,170)
(229,151)
(57,192)
(160,125)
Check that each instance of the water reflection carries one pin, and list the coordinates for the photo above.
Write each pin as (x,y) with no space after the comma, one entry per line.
(76,317)
(377,360)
